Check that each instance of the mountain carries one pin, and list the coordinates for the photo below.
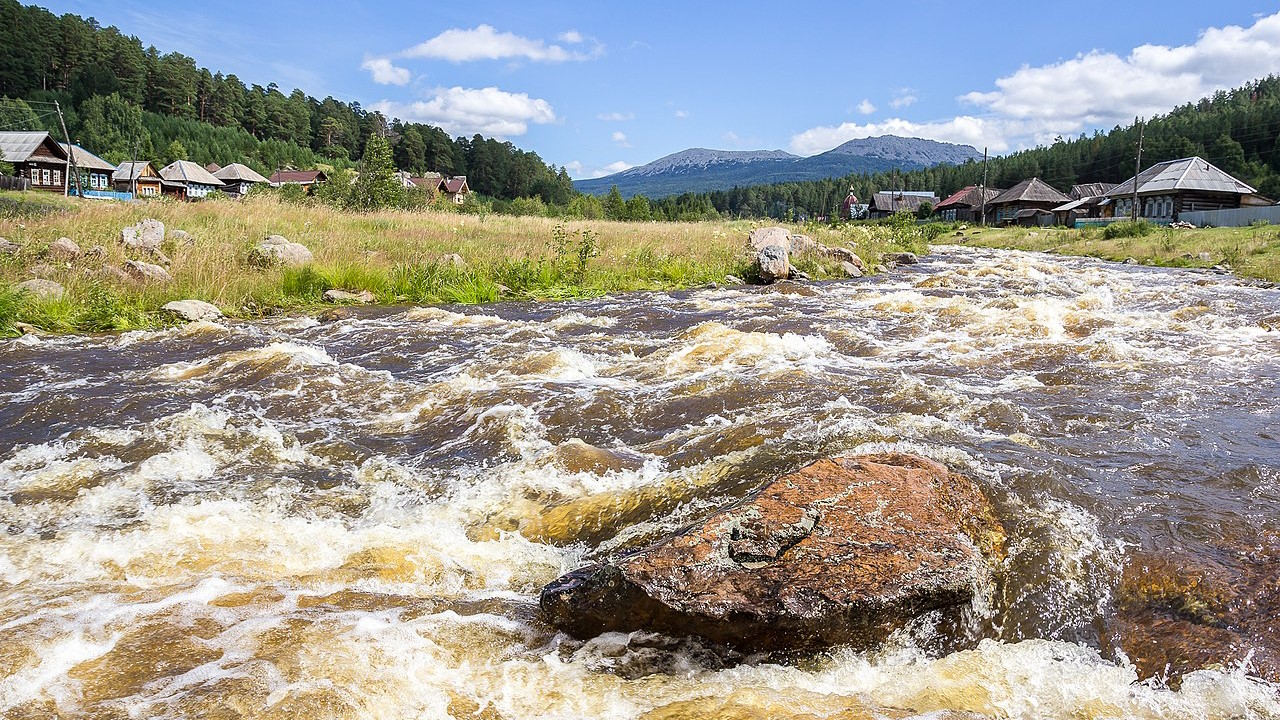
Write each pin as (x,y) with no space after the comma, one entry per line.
(701,170)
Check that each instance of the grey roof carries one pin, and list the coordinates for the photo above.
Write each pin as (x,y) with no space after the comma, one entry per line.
(236,172)
(1033,190)
(128,171)
(1074,204)
(87,160)
(894,201)
(970,196)
(18,146)
(1191,173)
(1088,190)
(184,171)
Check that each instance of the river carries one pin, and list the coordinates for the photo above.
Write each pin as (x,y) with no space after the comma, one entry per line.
(289,518)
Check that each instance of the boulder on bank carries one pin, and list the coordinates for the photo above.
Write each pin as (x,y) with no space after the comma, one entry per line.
(773,264)
(193,310)
(41,289)
(899,258)
(144,272)
(64,249)
(843,551)
(761,238)
(277,250)
(147,235)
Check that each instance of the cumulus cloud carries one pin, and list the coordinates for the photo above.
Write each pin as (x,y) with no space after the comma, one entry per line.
(573,37)
(484,42)
(384,73)
(965,130)
(865,107)
(682,114)
(621,139)
(902,97)
(578,171)
(466,111)
(1098,88)
(616,117)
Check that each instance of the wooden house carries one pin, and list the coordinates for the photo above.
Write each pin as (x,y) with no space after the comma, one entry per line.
(1012,206)
(186,180)
(238,179)
(967,204)
(96,174)
(139,178)
(1088,200)
(1167,189)
(306,178)
(37,157)
(456,189)
(890,202)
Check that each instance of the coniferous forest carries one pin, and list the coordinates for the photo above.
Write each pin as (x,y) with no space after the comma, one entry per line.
(122,99)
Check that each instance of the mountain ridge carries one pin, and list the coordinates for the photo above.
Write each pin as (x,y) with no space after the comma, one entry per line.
(702,169)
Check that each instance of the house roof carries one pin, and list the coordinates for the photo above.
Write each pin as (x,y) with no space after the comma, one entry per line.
(894,201)
(1031,212)
(970,196)
(19,146)
(1088,190)
(127,170)
(456,184)
(183,172)
(236,172)
(302,177)
(87,160)
(1191,173)
(1033,190)
(1076,204)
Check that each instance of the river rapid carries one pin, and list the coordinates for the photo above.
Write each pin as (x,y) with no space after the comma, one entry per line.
(353,519)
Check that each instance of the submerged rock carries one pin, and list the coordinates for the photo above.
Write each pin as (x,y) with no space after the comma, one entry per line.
(900,258)
(193,310)
(772,264)
(41,289)
(842,551)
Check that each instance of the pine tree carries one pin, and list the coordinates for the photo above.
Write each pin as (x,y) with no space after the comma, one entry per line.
(378,186)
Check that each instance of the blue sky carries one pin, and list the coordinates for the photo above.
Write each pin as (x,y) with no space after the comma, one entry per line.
(601,86)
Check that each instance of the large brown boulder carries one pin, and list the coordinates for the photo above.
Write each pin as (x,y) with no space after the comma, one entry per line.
(842,551)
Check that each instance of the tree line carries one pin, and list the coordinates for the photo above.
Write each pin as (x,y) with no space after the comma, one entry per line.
(122,100)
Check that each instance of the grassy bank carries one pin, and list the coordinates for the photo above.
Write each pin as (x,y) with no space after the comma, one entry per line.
(400,256)
(1249,251)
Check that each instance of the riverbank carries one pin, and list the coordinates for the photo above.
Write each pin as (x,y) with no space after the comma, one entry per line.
(400,257)
(1252,252)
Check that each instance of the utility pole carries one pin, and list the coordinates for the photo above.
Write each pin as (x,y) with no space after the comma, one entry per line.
(71,153)
(984,187)
(1133,215)
(133,170)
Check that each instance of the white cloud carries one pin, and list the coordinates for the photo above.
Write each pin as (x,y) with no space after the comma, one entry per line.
(573,37)
(865,107)
(384,73)
(682,114)
(620,138)
(578,171)
(1098,88)
(485,43)
(616,117)
(964,130)
(902,97)
(466,111)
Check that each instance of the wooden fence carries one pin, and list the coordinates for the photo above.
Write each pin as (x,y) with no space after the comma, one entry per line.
(9,182)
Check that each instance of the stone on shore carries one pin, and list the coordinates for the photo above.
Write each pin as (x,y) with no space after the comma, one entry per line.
(900,258)
(41,289)
(843,551)
(773,264)
(146,235)
(851,270)
(276,250)
(193,310)
(144,272)
(761,238)
(64,249)
(364,297)
(9,248)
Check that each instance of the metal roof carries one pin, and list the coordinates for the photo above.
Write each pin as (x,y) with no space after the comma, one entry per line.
(1033,190)
(185,171)
(1193,173)
(895,201)
(18,146)
(1087,190)
(970,196)
(297,176)
(87,160)
(236,172)
(127,171)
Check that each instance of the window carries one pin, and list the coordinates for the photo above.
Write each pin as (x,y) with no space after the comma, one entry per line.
(57,177)
(44,177)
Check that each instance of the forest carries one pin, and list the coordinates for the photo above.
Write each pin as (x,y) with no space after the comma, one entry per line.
(121,99)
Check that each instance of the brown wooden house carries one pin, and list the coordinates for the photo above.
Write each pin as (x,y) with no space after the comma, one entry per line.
(95,173)
(967,204)
(37,157)
(139,178)
(306,178)
(1030,202)
(1167,189)
(237,179)
(890,202)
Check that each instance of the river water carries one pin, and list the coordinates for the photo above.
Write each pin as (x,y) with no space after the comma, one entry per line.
(290,518)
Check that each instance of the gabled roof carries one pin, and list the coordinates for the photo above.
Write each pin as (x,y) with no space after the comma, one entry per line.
(1088,190)
(302,177)
(894,201)
(183,172)
(968,197)
(456,184)
(87,160)
(1191,173)
(16,147)
(236,172)
(128,171)
(1033,190)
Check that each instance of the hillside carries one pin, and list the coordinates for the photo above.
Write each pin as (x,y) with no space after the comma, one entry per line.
(701,170)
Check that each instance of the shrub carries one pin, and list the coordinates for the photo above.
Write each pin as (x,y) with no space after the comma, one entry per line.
(1128,229)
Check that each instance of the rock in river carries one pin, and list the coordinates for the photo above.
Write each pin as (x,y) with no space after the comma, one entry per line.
(193,310)
(842,551)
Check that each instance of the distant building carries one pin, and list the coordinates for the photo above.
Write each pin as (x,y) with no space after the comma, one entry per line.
(306,178)
(890,202)
(850,208)
(1167,189)
(1087,201)
(96,174)
(37,157)
(139,178)
(186,180)
(456,189)
(238,179)
(1030,202)
(967,204)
